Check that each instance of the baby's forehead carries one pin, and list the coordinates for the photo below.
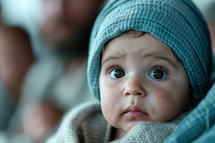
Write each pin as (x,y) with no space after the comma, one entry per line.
(135,41)
(134,33)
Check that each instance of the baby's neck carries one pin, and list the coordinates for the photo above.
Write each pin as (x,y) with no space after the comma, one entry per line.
(117,134)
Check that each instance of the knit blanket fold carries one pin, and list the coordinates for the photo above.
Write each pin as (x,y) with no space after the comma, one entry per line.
(83,124)
(199,125)
(151,132)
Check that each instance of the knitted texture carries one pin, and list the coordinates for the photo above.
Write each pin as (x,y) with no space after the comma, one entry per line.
(87,124)
(77,126)
(177,23)
(199,125)
(151,132)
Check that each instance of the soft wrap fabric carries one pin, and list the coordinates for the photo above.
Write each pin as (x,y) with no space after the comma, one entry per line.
(86,124)
(199,125)
(177,23)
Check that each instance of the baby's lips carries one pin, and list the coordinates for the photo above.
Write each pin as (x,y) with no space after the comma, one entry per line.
(134,109)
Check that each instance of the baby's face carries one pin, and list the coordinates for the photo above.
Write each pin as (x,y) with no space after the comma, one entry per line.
(141,80)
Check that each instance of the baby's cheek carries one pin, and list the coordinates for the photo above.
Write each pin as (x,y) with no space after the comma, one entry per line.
(163,108)
(108,112)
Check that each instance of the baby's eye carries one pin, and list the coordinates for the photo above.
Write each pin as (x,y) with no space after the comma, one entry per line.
(158,74)
(117,73)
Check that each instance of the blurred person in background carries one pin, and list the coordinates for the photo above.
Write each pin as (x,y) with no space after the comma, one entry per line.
(16,57)
(57,81)
(6,104)
(60,74)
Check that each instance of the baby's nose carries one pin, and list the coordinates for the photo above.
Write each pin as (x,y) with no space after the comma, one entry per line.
(134,86)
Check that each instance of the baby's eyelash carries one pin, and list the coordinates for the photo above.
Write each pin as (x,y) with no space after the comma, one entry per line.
(159,67)
(110,68)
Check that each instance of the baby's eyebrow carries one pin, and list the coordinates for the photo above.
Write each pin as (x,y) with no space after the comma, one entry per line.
(167,59)
(111,57)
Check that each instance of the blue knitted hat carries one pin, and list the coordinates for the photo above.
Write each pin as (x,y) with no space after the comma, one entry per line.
(177,23)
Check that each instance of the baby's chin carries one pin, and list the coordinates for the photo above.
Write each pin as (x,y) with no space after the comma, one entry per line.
(121,131)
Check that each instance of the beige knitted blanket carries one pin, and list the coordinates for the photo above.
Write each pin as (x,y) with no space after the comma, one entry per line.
(86,124)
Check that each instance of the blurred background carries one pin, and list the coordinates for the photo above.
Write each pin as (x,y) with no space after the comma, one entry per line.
(43,58)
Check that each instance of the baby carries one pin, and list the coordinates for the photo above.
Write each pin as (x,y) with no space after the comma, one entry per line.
(149,63)
(141,80)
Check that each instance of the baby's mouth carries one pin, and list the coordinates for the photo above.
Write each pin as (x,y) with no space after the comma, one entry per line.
(134,111)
